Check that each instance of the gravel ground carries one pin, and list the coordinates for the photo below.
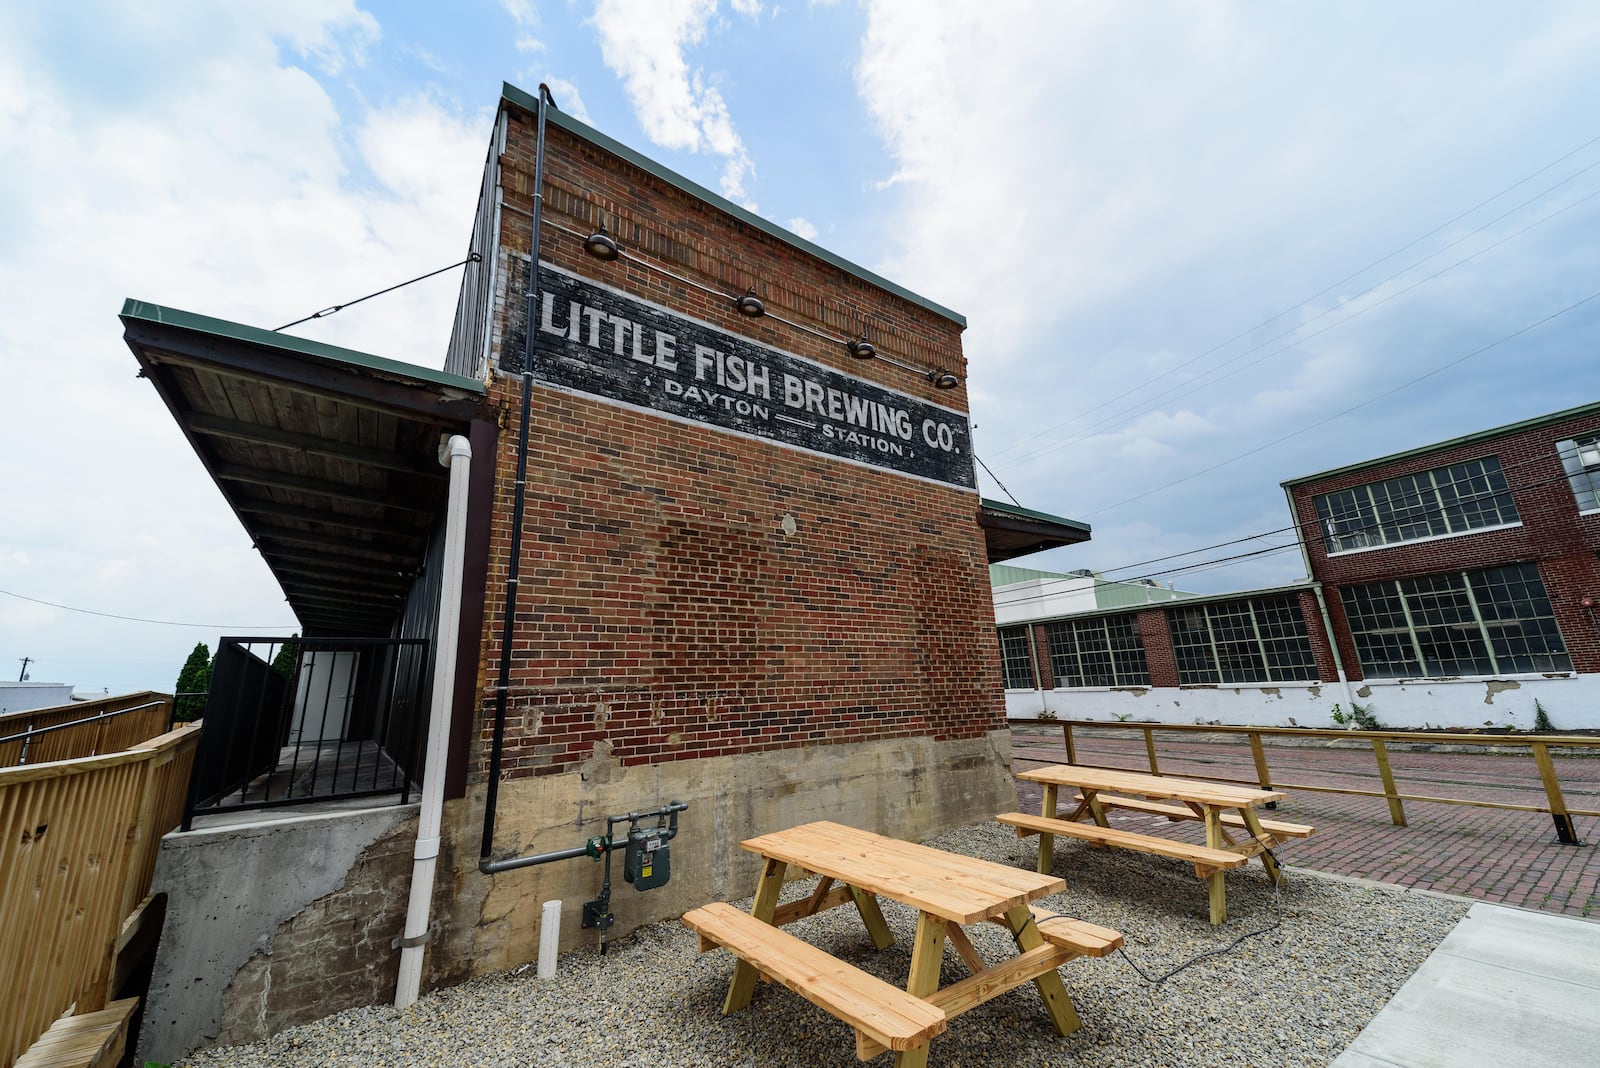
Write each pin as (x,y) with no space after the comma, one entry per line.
(1294,995)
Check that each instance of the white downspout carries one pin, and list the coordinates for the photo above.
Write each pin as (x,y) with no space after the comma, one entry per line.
(457,454)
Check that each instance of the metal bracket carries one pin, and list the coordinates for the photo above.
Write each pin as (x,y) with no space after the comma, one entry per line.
(412,943)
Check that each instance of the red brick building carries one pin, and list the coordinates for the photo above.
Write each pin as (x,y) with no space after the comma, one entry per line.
(722,546)
(1459,581)
(1462,572)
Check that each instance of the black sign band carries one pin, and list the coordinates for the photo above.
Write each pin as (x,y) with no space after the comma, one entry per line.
(596,340)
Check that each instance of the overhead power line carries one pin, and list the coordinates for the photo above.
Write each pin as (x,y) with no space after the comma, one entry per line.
(1297,528)
(1401,500)
(1210,378)
(1347,278)
(159,622)
(1354,407)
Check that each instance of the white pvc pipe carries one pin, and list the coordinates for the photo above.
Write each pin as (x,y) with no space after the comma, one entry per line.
(457,454)
(549,938)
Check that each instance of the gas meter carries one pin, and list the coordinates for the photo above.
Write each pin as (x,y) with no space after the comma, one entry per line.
(647,863)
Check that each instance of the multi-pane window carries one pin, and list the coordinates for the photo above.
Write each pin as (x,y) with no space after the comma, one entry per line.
(1491,622)
(1581,458)
(1262,639)
(1016,662)
(1098,652)
(1431,504)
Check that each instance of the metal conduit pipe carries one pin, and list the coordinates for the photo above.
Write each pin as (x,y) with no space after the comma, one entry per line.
(486,864)
(457,451)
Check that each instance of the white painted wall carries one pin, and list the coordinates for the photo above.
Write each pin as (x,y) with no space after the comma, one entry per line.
(1060,595)
(1571,701)
(322,704)
(1023,602)
(26,696)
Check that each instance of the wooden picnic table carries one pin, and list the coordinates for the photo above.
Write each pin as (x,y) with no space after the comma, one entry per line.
(1225,809)
(949,892)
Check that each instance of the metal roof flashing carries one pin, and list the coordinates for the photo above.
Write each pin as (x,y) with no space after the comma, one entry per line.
(1450,443)
(1010,531)
(204,324)
(525,101)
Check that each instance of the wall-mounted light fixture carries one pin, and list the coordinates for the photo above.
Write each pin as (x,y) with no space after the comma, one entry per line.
(602,246)
(750,305)
(1587,604)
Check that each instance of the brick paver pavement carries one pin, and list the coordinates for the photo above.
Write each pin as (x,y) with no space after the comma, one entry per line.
(1491,854)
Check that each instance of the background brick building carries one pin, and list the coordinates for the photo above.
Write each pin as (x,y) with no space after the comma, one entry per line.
(1458,579)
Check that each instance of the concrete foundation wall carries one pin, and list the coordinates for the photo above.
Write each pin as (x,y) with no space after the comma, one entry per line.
(275,923)
(907,787)
(278,923)
(1571,701)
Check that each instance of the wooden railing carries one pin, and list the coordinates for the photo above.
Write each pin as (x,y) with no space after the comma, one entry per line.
(1539,745)
(83,728)
(78,845)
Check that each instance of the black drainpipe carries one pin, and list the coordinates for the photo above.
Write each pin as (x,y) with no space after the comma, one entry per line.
(503,683)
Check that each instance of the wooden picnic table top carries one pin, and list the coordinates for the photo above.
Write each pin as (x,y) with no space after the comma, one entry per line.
(1221,795)
(953,887)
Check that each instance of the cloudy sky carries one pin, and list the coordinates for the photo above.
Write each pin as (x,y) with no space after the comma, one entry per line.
(1202,247)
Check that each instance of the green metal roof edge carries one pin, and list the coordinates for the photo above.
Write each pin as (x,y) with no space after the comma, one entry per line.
(1189,601)
(1032,574)
(1028,513)
(1108,592)
(1465,439)
(522,99)
(255,335)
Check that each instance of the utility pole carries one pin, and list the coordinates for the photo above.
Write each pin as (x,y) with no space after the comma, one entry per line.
(22,676)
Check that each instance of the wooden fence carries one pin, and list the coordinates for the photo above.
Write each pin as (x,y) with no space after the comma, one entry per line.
(83,728)
(78,845)
(1539,746)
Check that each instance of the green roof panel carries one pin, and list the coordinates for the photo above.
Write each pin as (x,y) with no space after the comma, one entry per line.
(255,335)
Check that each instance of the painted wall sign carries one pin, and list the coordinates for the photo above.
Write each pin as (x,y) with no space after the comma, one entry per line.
(593,339)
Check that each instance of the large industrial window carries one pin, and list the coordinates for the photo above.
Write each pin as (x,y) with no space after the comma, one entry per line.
(1581,458)
(1262,639)
(1492,622)
(1446,500)
(1016,661)
(1098,652)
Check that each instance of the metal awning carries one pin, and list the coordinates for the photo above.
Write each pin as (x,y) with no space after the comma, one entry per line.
(328,456)
(1011,531)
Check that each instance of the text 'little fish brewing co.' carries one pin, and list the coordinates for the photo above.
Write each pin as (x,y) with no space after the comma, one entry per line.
(599,341)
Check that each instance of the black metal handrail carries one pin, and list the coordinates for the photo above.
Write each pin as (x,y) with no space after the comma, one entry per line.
(342,718)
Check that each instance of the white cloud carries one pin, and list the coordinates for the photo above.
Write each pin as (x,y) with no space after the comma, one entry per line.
(222,185)
(1108,197)
(750,9)
(523,14)
(567,98)
(803,227)
(644,43)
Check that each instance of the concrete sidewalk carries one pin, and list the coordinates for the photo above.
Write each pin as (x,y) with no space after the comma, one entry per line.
(1506,987)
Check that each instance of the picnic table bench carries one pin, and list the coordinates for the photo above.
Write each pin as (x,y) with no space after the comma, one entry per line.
(1222,807)
(949,892)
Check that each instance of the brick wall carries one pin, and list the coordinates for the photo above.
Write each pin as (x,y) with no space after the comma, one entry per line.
(1045,673)
(1158,654)
(1321,649)
(668,612)
(1552,533)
